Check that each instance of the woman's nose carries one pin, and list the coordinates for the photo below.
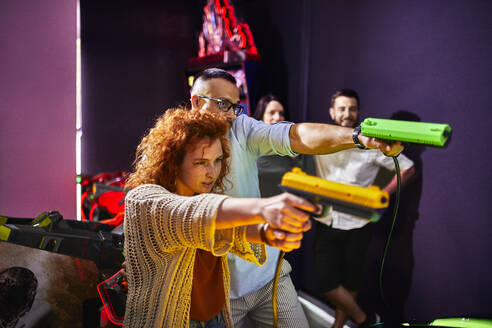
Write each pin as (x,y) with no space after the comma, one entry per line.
(211,170)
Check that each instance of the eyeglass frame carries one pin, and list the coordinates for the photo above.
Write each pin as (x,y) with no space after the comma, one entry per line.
(237,108)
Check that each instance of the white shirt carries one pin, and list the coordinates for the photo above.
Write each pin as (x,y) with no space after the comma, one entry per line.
(356,167)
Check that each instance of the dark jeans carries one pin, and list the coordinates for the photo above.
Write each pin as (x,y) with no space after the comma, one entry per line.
(215,322)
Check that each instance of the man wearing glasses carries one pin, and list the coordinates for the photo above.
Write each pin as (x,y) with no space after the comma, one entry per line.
(225,105)
(251,286)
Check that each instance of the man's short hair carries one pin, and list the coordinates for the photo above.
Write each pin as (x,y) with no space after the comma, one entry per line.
(349,93)
(214,73)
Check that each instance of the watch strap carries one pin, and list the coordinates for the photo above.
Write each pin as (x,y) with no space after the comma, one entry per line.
(355,137)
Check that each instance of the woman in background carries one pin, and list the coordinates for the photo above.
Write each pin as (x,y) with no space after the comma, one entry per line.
(270,109)
(271,168)
(177,234)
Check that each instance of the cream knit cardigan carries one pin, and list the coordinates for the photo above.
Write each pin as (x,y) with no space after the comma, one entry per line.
(162,232)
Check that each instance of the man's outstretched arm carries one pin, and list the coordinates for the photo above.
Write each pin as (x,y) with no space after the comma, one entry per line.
(318,138)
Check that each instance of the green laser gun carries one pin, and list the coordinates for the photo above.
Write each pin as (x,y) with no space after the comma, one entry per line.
(432,134)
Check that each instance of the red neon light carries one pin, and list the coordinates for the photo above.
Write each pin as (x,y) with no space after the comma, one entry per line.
(91,213)
(243,37)
(84,195)
(110,200)
(117,220)
(234,30)
(227,27)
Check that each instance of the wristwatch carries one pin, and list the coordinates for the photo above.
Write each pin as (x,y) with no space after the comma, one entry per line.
(355,136)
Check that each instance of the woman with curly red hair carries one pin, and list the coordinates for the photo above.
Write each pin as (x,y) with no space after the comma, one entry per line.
(177,232)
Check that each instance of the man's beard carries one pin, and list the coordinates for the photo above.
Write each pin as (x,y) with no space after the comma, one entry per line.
(348,123)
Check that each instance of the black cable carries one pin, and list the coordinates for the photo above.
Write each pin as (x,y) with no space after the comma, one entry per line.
(395,211)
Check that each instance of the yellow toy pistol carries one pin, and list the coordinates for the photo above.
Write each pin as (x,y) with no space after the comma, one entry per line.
(359,201)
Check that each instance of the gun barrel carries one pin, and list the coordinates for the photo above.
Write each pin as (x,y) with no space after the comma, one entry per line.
(432,134)
(369,197)
(360,211)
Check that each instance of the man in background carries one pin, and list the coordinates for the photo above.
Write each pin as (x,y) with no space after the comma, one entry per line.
(342,240)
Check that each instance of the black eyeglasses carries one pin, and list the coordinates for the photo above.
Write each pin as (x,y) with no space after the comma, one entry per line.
(225,105)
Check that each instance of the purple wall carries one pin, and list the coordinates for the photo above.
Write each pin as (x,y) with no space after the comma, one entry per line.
(432,59)
(134,56)
(37,107)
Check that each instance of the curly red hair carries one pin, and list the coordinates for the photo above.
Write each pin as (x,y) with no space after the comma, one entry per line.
(161,151)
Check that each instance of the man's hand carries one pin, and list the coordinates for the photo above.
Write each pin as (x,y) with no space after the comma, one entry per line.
(282,240)
(389,149)
(283,212)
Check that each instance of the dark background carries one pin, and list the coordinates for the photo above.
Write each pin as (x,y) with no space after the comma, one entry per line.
(428,60)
